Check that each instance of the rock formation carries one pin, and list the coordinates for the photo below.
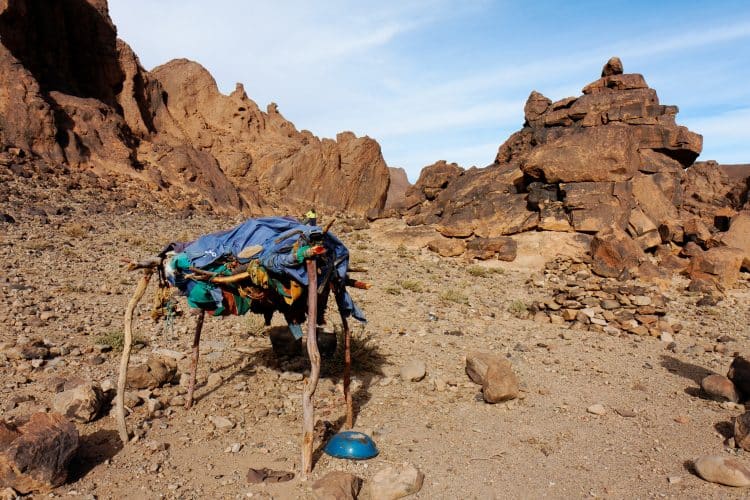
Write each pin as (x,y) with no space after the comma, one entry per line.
(611,162)
(73,94)
(397,189)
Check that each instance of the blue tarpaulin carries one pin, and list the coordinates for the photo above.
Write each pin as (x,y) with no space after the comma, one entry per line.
(277,236)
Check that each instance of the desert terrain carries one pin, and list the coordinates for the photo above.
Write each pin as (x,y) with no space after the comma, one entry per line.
(568,321)
(63,282)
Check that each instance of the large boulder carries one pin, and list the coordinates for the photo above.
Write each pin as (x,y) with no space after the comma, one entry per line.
(35,456)
(738,236)
(598,154)
(721,263)
(614,254)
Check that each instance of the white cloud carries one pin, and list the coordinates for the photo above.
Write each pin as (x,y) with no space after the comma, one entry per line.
(341,65)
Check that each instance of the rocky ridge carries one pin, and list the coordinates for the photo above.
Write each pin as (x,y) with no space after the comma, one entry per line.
(170,132)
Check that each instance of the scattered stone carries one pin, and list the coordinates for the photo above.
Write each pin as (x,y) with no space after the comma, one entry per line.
(292,377)
(214,380)
(154,373)
(394,482)
(666,337)
(625,413)
(447,247)
(495,374)
(719,388)
(265,475)
(597,409)
(35,456)
(81,403)
(722,470)
(337,485)
(221,423)
(413,371)
(674,479)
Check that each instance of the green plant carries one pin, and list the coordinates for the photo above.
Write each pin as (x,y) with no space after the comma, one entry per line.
(116,339)
(517,308)
(452,295)
(411,285)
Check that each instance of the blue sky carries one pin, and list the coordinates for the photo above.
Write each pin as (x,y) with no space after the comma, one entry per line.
(444,79)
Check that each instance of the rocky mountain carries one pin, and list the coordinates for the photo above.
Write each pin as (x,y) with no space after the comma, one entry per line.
(612,162)
(73,94)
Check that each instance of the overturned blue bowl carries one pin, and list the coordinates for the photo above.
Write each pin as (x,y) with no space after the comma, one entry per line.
(352,445)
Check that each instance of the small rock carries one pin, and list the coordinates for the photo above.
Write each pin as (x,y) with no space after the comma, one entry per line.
(666,337)
(413,371)
(235,447)
(292,376)
(221,423)
(597,409)
(337,485)
(494,373)
(394,482)
(81,403)
(722,470)
(152,406)
(625,413)
(641,300)
(674,479)
(719,388)
(214,380)
(155,373)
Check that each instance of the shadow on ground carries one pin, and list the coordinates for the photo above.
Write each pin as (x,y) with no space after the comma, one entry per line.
(689,371)
(367,363)
(94,449)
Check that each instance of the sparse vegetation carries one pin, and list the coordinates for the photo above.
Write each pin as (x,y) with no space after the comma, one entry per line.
(412,285)
(517,308)
(255,325)
(452,295)
(116,339)
(402,251)
(484,272)
(393,290)
(76,230)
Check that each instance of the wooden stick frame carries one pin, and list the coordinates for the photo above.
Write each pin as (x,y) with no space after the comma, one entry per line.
(311,383)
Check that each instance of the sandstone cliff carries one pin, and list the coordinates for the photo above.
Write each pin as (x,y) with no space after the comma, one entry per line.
(72,93)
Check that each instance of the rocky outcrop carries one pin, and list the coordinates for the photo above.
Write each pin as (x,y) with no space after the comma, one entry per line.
(612,163)
(71,93)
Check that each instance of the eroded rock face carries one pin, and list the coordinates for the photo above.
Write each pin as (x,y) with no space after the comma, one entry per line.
(72,93)
(612,162)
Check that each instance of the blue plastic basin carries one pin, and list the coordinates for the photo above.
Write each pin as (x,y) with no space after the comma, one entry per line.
(352,445)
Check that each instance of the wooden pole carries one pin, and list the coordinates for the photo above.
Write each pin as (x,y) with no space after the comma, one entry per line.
(308,408)
(347,372)
(125,359)
(194,360)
